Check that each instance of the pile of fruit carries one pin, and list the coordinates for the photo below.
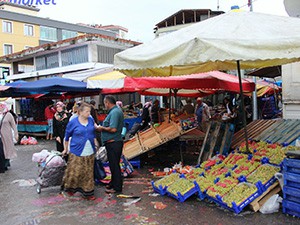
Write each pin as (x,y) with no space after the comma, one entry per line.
(245,168)
(263,173)
(203,183)
(166,181)
(222,187)
(181,186)
(239,194)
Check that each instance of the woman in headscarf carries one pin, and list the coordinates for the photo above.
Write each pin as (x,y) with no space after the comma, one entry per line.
(7,148)
(60,121)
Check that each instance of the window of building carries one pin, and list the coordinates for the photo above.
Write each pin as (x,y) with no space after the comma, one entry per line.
(68,34)
(6,26)
(74,56)
(7,49)
(106,54)
(47,61)
(28,30)
(48,33)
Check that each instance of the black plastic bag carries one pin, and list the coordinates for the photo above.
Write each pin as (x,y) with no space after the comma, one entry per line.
(99,172)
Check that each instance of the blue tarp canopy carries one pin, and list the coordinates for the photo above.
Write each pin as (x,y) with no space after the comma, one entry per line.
(47,85)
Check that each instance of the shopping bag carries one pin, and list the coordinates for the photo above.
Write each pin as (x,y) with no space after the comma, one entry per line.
(101,154)
(126,167)
(99,172)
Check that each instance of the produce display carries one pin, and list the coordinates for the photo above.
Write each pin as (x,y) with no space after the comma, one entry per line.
(234,158)
(203,183)
(194,174)
(216,172)
(239,194)
(167,180)
(263,173)
(274,152)
(222,187)
(218,178)
(245,168)
(181,186)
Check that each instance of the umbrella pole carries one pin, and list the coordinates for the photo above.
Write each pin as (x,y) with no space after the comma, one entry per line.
(170,101)
(243,105)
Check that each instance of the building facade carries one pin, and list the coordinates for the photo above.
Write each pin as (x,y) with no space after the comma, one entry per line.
(21,28)
(183,18)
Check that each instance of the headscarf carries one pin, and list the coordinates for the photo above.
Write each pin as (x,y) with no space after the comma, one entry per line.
(119,104)
(147,104)
(5,108)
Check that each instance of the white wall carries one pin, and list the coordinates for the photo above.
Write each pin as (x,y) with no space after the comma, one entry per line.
(291,91)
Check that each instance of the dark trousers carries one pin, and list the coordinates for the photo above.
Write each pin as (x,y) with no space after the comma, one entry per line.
(114,152)
(2,158)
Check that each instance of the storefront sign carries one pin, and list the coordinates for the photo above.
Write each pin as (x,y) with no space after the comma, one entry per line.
(31,2)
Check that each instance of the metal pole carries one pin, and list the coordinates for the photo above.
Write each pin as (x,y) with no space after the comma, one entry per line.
(254,95)
(243,105)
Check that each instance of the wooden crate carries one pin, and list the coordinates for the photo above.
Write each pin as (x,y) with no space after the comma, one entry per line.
(258,203)
(132,147)
(150,139)
(168,130)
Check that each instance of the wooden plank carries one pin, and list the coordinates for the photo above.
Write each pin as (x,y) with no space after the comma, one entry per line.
(272,130)
(267,131)
(287,133)
(204,142)
(35,134)
(213,140)
(253,132)
(224,137)
(258,202)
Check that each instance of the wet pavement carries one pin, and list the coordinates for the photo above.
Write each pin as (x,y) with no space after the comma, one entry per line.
(21,205)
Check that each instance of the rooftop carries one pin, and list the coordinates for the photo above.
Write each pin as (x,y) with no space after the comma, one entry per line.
(50,46)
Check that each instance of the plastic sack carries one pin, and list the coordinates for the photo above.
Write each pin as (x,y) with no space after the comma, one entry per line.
(54,161)
(24,140)
(279,177)
(31,141)
(40,156)
(271,205)
(101,154)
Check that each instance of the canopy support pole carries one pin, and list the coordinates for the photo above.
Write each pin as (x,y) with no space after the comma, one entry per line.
(170,104)
(243,105)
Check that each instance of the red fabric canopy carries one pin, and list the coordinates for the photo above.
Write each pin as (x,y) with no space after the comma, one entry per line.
(213,80)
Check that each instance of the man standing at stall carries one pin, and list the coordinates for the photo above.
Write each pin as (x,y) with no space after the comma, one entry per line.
(112,139)
(202,114)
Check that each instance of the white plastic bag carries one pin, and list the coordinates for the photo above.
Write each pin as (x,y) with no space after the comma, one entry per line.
(279,177)
(271,205)
(101,154)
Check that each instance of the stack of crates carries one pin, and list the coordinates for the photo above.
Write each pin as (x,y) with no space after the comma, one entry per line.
(291,188)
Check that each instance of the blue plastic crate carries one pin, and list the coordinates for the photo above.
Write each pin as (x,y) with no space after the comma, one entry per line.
(238,208)
(160,189)
(182,198)
(136,162)
(291,194)
(201,194)
(291,165)
(291,180)
(291,208)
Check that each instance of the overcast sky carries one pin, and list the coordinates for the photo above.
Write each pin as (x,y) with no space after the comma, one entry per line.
(140,16)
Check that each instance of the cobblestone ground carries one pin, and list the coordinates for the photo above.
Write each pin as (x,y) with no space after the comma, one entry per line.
(21,205)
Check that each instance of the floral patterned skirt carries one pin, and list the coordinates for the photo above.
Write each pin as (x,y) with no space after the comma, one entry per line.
(79,175)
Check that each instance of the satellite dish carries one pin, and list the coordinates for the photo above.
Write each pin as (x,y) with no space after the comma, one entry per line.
(292,7)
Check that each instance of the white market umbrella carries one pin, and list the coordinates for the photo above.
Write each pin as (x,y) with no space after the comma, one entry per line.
(256,40)
(241,40)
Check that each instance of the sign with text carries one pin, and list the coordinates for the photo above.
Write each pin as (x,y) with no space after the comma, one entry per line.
(31,2)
